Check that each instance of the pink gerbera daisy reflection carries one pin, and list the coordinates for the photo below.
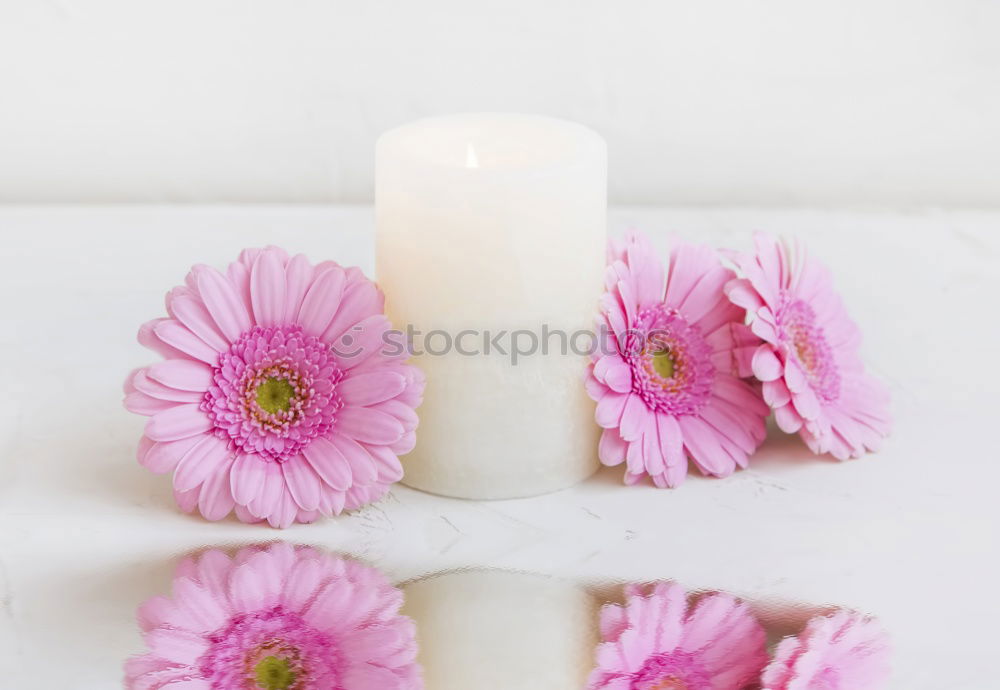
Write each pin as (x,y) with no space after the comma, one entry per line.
(278,397)
(657,642)
(667,383)
(809,364)
(280,618)
(844,651)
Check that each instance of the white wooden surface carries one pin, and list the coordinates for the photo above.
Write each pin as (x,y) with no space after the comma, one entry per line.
(909,534)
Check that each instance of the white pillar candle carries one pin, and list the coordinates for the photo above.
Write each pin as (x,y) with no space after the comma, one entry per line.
(502,631)
(488,223)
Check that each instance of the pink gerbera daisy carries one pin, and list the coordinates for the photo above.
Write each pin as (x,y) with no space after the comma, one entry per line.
(280,618)
(809,364)
(667,384)
(278,397)
(657,642)
(844,651)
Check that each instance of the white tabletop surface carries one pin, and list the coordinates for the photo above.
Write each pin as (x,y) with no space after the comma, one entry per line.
(908,534)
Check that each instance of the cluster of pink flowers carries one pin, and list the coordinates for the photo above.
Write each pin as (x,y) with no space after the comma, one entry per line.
(276,399)
(702,354)
(663,639)
(281,618)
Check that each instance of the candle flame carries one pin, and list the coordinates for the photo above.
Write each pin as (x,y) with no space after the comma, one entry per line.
(471,159)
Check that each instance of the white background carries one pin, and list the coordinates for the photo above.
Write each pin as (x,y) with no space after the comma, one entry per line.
(873,102)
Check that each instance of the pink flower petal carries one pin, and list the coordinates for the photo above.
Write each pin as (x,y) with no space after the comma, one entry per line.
(179,646)
(145,384)
(389,469)
(368,425)
(202,609)
(180,421)
(611,370)
(303,582)
(285,512)
(706,622)
(238,273)
(671,440)
(776,393)
(766,366)
(788,419)
(741,293)
(648,274)
(268,289)
(215,501)
(143,404)
(185,306)
(303,482)
(363,469)
(299,277)
(764,330)
(406,415)
(795,378)
(159,611)
(163,457)
(806,404)
(629,301)
(372,677)
(187,501)
(147,338)
(329,463)
(177,336)
(614,314)
(319,306)
(223,302)
(740,394)
(362,342)
(706,295)
(212,570)
(268,497)
(360,300)
(737,430)
(612,448)
(244,515)
(368,388)
(332,502)
(634,417)
(724,315)
(652,452)
(405,444)
(248,591)
(201,461)
(688,263)
(334,608)
(610,408)
(182,374)
(145,445)
(247,477)
(704,447)
(635,459)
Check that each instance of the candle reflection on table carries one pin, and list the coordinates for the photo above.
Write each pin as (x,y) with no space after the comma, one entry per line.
(502,630)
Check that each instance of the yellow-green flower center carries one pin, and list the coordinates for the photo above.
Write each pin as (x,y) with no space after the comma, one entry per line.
(670,683)
(663,363)
(273,673)
(275,395)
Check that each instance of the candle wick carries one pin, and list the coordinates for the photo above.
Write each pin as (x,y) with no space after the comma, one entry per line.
(471,159)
